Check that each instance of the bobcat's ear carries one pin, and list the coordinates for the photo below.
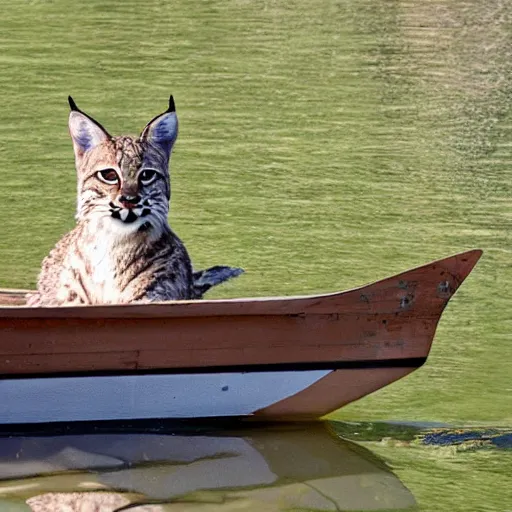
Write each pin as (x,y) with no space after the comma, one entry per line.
(163,129)
(85,132)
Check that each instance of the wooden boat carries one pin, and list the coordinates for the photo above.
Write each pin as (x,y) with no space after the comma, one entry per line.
(269,358)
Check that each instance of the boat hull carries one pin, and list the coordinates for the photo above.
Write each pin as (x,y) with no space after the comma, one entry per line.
(299,357)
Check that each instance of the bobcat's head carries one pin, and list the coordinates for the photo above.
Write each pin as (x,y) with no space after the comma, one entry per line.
(123,181)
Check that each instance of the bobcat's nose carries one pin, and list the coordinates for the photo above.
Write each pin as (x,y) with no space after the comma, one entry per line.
(129,202)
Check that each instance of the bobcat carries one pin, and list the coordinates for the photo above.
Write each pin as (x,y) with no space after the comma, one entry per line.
(122,249)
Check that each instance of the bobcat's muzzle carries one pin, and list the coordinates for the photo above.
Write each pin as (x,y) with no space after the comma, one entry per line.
(131,213)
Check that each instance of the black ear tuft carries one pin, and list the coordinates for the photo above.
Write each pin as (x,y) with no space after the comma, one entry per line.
(72,104)
(172,106)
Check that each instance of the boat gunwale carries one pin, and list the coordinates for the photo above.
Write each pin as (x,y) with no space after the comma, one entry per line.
(288,305)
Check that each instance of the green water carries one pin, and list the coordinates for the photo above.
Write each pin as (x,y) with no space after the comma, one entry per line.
(323,145)
(233,466)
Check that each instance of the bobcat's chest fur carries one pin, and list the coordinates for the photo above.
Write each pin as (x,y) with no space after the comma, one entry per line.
(101,263)
(103,267)
(117,257)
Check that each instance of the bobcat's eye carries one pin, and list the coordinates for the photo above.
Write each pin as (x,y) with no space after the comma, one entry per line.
(147,176)
(108,176)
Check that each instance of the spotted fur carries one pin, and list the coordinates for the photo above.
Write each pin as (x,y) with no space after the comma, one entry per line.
(122,249)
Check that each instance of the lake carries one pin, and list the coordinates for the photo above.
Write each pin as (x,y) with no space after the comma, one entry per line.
(323,145)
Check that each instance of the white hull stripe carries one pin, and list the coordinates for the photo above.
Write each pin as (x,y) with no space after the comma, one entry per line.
(41,400)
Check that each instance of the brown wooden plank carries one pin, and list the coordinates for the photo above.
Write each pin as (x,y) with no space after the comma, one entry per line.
(12,297)
(88,361)
(375,332)
(257,341)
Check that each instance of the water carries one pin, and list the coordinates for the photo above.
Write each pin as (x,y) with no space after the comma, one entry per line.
(157,466)
(323,145)
(204,469)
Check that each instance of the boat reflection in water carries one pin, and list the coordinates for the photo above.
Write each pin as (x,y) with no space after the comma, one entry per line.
(193,467)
